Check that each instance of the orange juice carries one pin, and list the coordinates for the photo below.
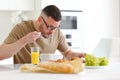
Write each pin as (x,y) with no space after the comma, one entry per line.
(34,57)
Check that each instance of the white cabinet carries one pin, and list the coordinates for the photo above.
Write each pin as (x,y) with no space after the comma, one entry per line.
(64,4)
(25,5)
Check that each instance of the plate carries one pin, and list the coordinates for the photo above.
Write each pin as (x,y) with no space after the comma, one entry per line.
(95,67)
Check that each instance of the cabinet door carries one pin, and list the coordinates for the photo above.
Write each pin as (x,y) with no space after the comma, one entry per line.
(25,5)
(5,4)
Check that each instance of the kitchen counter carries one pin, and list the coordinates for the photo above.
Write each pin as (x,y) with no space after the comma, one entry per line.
(111,72)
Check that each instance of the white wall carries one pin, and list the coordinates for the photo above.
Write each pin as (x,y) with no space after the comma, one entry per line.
(5,24)
(101,19)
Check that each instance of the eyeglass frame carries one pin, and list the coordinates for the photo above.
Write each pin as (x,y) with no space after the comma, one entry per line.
(49,27)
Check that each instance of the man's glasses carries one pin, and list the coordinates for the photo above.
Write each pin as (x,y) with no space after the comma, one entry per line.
(50,27)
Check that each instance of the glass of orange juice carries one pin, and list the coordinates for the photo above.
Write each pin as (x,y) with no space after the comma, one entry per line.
(35,52)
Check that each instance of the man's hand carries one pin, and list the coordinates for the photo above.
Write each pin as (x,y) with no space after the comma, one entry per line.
(69,54)
(81,55)
(31,37)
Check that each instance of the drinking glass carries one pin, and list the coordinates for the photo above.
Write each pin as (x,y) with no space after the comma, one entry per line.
(35,52)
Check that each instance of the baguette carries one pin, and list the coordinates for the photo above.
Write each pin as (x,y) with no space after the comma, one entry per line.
(58,66)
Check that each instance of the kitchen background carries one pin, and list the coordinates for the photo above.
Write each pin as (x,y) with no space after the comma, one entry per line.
(100,20)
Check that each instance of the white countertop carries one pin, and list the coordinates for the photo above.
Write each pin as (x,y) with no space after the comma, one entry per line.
(111,72)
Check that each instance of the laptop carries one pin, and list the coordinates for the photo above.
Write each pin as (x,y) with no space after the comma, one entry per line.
(103,48)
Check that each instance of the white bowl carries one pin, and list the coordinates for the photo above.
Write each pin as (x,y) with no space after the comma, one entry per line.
(49,56)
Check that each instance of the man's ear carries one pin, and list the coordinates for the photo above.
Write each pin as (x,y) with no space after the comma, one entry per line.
(39,19)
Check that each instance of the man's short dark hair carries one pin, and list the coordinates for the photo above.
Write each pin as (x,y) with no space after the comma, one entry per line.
(53,11)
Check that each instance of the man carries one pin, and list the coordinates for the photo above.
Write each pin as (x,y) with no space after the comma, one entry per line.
(44,32)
